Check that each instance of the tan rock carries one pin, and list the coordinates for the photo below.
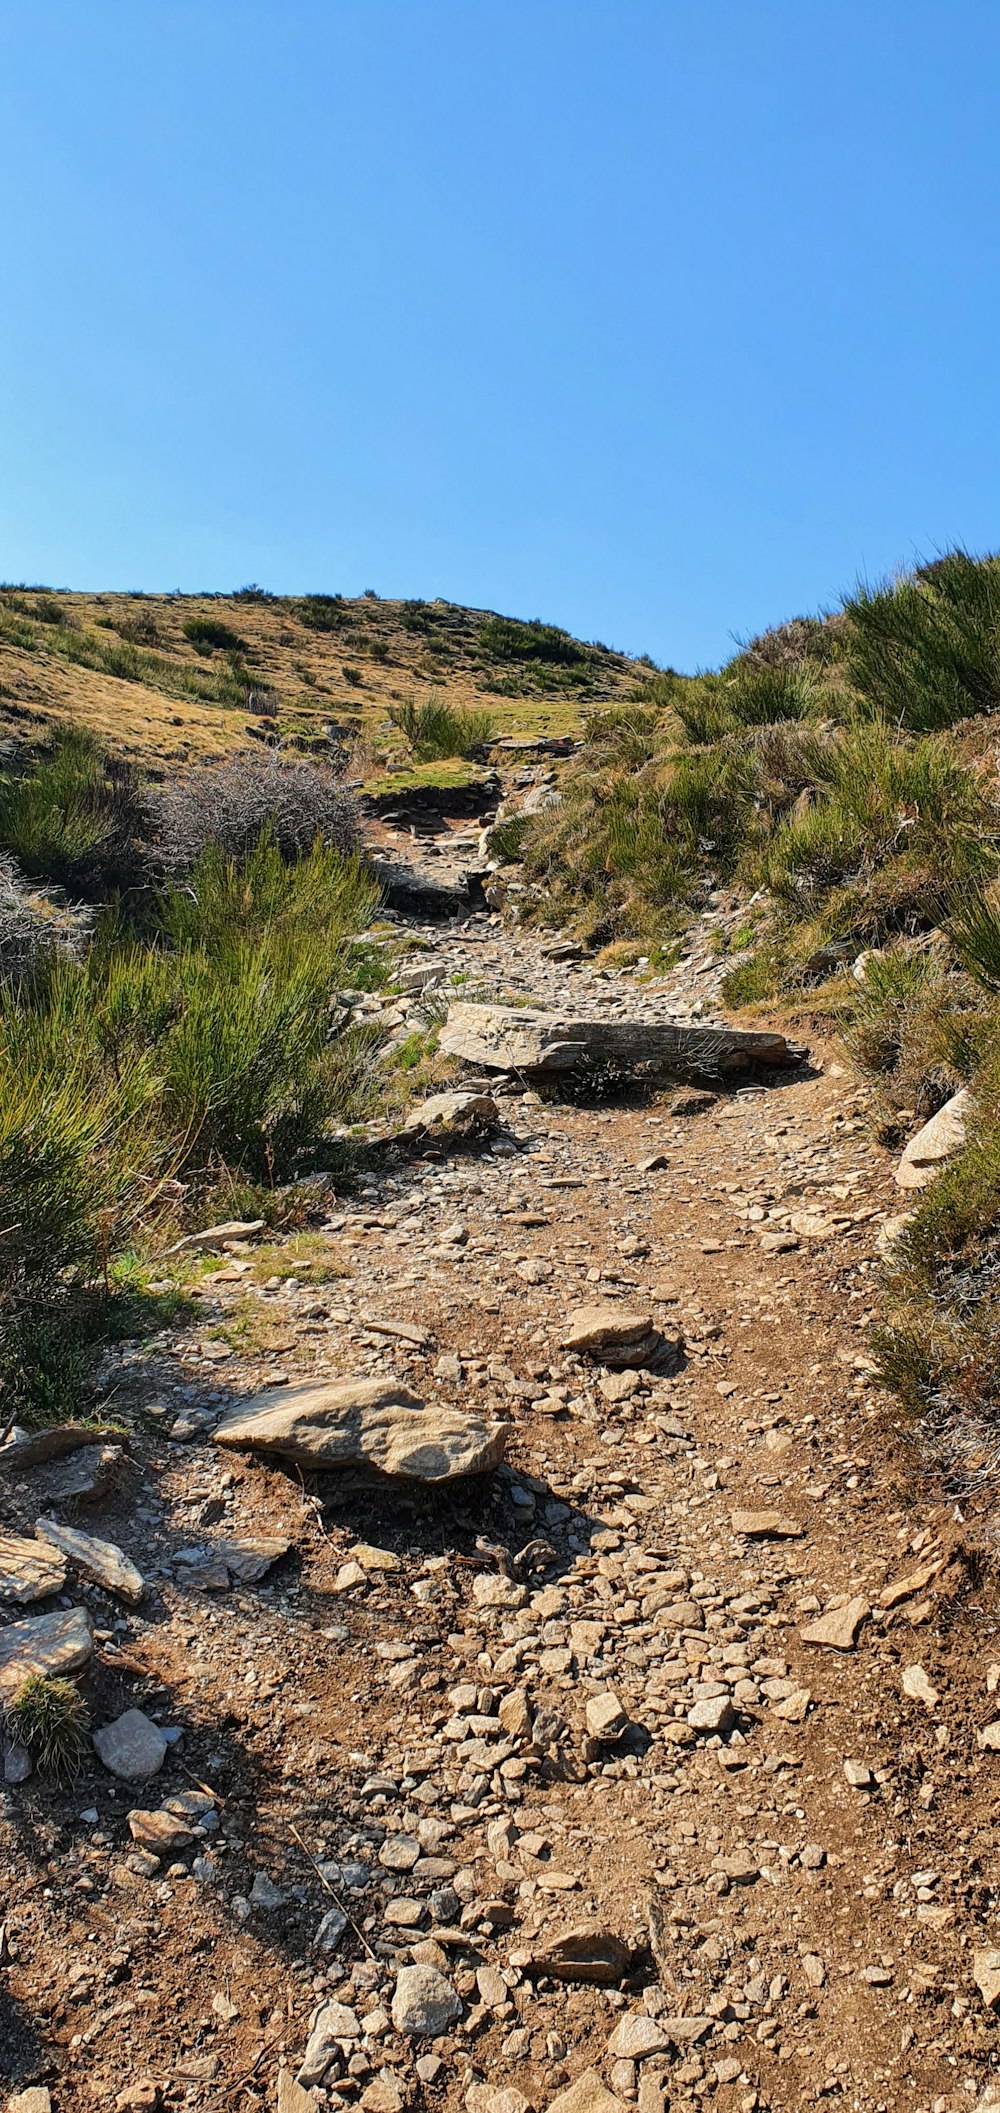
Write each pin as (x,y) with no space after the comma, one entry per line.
(454,1111)
(47,1643)
(766,1526)
(939,1140)
(607,1327)
(607,1717)
(370,1423)
(160,1832)
(915,1684)
(838,1628)
(292,2097)
(986,1975)
(586,2095)
(988,1740)
(28,1572)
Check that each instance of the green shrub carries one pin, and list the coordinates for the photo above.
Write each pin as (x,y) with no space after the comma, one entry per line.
(77,819)
(321,612)
(924,651)
(506,638)
(210,633)
(437,731)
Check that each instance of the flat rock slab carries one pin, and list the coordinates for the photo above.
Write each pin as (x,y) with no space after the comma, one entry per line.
(53,1444)
(615,1336)
(368,1423)
(82,1478)
(520,1038)
(766,1526)
(939,1140)
(28,1572)
(454,1111)
(60,1643)
(248,1561)
(131,1747)
(587,1953)
(986,1975)
(838,1627)
(101,1560)
(587,2095)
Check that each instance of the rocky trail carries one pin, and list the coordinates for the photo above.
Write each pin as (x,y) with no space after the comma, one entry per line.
(652,1767)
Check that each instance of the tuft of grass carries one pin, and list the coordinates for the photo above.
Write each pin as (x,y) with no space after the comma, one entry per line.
(49,1717)
(437,731)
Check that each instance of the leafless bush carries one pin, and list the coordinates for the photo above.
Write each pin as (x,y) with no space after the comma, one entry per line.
(28,931)
(230,803)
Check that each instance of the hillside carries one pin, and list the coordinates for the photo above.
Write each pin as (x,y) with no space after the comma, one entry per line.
(170,677)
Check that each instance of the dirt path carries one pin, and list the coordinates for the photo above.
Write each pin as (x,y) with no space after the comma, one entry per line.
(407,1747)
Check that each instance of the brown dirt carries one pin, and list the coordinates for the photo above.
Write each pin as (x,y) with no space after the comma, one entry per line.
(286,1699)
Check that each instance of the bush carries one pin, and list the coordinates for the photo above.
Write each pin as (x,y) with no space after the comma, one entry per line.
(321,612)
(925,651)
(209,633)
(77,820)
(437,731)
(229,804)
(505,638)
(28,931)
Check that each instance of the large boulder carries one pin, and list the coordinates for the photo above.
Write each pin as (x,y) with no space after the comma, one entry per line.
(520,1038)
(368,1423)
(939,1140)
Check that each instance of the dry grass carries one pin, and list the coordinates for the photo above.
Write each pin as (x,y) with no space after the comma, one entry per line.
(402,651)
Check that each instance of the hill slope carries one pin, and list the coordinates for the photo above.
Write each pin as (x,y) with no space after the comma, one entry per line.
(172,676)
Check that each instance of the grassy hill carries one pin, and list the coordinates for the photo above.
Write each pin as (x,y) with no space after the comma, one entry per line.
(173,677)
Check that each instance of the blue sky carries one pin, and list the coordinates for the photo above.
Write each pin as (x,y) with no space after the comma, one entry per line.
(661,319)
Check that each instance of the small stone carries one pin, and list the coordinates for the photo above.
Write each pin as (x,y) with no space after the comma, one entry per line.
(28,1572)
(424,2004)
(858,1776)
(428,2067)
(986,1975)
(940,1139)
(330,1930)
(35,2100)
(331,2025)
(100,1560)
(838,1627)
(916,1685)
(813,1969)
(132,1746)
(160,1832)
(635,2036)
(715,1714)
(587,2095)
(223,2008)
(291,2096)
(989,1738)
(264,1894)
(606,1717)
(596,1328)
(514,1713)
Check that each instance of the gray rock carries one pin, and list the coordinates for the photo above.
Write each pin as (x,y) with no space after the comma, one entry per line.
(100,1560)
(454,1111)
(521,1038)
(371,1423)
(331,2027)
(47,1643)
(424,2004)
(264,1894)
(132,1746)
(330,1930)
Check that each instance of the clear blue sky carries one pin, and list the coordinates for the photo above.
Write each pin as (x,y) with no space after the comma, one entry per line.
(660,319)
